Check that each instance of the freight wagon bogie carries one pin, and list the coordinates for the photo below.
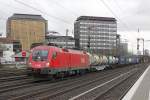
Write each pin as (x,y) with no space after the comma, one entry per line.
(57,73)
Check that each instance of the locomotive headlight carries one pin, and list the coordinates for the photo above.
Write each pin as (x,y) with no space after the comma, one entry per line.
(47,64)
(29,64)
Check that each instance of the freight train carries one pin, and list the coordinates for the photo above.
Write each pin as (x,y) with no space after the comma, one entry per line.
(52,61)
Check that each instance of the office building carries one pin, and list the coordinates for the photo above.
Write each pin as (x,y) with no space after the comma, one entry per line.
(97,34)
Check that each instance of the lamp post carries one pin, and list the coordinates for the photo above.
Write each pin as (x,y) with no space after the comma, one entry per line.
(89,40)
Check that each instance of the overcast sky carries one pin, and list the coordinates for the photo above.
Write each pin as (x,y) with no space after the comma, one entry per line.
(61,14)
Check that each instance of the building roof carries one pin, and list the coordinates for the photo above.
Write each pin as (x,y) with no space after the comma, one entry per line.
(54,33)
(7,40)
(59,37)
(26,16)
(96,18)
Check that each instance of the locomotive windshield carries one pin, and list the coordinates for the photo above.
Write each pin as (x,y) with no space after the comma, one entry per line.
(39,55)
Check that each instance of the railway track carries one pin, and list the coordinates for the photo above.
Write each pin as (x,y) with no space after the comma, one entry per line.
(12,85)
(67,89)
(43,88)
(12,78)
(67,94)
(117,92)
(71,86)
(113,89)
(6,72)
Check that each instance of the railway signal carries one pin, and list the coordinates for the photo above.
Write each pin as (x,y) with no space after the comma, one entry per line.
(23,53)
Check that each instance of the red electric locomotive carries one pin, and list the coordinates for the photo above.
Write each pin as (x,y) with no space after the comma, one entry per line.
(50,60)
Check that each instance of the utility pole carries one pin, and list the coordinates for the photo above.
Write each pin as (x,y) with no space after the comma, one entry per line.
(88,43)
(67,37)
(89,40)
(143,47)
(138,44)
(117,45)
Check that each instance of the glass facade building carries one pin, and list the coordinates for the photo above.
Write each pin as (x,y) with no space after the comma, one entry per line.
(96,33)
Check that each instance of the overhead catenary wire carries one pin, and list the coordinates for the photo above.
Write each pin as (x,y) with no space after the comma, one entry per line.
(115,1)
(60,5)
(115,15)
(36,9)
(120,9)
(124,24)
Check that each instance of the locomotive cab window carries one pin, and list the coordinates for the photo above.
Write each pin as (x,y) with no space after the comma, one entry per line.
(40,55)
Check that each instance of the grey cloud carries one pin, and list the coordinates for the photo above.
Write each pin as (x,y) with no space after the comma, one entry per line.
(135,12)
(143,8)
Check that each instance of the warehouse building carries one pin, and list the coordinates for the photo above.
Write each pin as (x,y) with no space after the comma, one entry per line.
(27,29)
(97,34)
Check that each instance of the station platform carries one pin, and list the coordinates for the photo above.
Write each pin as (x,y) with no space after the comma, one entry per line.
(141,89)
